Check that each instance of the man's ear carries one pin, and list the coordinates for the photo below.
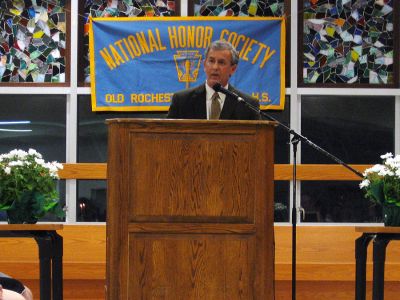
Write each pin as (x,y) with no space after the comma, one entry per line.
(233,69)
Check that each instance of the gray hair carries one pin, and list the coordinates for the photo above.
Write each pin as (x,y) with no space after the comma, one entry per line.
(224,45)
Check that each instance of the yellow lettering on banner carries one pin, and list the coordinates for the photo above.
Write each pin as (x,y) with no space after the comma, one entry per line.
(129,48)
(262,46)
(115,98)
(134,45)
(108,59)
(249,49)
(151,98)
(173,38)
(190,36)
(261,97)
(155,43)
(118,43)
(152,42)
(208,36)
(182,36)
(265,97)
(161,46)
(142,42)
(268,54)
(117,58)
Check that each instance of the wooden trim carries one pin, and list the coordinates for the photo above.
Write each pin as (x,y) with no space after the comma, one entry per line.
(282,172)
(318,172)
(41,227)
(84,171)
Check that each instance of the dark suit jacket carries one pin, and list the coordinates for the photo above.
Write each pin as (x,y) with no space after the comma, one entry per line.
(191,104)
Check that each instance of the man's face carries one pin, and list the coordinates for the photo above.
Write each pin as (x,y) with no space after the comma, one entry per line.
(218,67)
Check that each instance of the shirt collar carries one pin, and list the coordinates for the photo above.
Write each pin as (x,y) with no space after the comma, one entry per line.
(210,92)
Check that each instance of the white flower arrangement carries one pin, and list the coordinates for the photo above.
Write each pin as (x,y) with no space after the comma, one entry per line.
(382,181)
(27,177)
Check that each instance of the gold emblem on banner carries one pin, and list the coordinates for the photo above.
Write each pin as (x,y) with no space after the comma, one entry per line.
(187,65)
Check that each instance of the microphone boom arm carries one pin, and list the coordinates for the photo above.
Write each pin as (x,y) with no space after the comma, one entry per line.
(217,87)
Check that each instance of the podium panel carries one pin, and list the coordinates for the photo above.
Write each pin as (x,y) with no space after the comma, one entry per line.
(188,176)
(190,209)
(211,267)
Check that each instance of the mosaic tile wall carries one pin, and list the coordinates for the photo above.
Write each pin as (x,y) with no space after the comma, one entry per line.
(270,8)
(32,41)
(121,8)
(348,41)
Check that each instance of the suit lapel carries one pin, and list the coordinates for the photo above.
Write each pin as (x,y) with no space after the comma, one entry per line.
(199,102)
(229,105)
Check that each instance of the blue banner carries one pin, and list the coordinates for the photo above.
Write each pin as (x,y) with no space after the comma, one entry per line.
(138,63)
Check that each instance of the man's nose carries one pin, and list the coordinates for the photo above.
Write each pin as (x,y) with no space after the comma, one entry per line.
(215,65)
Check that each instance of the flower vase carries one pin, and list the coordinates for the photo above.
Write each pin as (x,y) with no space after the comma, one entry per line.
(391,215)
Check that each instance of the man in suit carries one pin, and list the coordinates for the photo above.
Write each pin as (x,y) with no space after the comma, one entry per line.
(203,102)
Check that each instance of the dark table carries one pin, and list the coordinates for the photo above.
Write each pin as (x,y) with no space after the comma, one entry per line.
(50,245)
(381,236)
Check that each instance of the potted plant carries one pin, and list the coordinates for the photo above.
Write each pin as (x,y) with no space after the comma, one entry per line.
(382,186)
(28,187)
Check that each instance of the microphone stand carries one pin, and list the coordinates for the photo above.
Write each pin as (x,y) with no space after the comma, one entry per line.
(296,138)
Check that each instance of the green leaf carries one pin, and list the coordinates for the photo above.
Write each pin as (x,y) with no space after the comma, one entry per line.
(376,192)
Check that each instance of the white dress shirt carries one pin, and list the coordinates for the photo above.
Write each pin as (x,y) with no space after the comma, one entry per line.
(209,93)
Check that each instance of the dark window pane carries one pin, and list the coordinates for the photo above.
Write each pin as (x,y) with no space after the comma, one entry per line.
(61,191)
(282,201)
(355,129)
(348,43)
(44,129)
(337,201)
(92,130)
(92,201)
(282,146)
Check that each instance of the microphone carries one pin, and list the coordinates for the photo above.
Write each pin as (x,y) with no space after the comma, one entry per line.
(219,88)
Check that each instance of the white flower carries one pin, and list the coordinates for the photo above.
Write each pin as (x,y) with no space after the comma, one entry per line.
(34,153)
(374,169)
(53,168)
(15,163)
(387,155)
(58,165)
(21,154)
(385,172)
(364,183)
(40,161)
(7,170)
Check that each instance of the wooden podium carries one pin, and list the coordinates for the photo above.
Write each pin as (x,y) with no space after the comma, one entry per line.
(190,210)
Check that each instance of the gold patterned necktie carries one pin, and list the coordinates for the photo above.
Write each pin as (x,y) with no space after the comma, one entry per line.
(215,107)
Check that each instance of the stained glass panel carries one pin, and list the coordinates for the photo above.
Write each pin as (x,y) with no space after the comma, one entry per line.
(348,41)
(270,8)
(32,41)
(121,8)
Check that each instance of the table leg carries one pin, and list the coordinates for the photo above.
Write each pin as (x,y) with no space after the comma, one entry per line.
(380,244)
(45,244)
(57,266)
(361,246)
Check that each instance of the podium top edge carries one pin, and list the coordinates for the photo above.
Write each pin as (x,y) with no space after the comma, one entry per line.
(190,121)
